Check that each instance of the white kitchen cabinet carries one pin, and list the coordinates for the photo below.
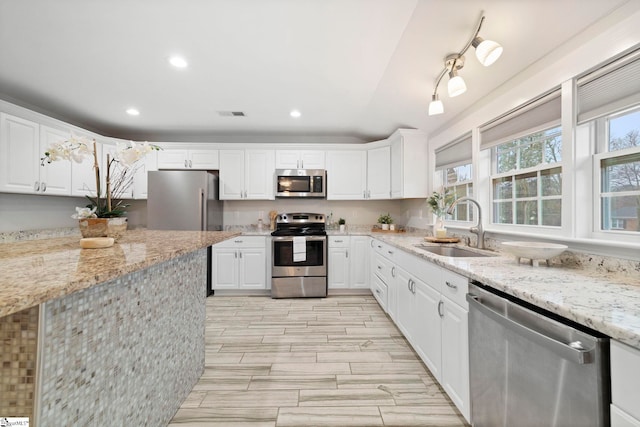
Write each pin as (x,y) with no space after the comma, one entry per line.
(137,188)
(625,377)
(22,145)
(197,159)
(455,354)
(141,178)
(300,159)
(348,262)
(346,175)
(239,263)
(247,174)
(338,262)
(83,175)
(409,164)
(379,173)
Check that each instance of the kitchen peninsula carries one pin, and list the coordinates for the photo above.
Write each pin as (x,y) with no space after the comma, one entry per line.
(102,336)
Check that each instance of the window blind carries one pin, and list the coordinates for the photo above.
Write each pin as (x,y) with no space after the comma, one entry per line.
(611,88)
(527,118)
(455,153)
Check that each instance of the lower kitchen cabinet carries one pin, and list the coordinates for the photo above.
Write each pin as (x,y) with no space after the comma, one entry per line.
(240,263)
(428,305)
(348,262)
(625,377)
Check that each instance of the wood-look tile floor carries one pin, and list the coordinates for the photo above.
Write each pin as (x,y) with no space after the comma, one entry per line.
(337,361)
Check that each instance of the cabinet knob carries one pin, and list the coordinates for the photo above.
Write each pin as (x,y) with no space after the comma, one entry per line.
(390,252)
(451,285)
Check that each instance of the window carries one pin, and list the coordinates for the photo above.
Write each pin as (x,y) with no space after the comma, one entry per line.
(619,169)
(458,181)
(454,173)
(527,187)
(526,164)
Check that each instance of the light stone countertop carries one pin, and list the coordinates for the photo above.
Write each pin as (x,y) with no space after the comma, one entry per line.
(604,301)
(35,271)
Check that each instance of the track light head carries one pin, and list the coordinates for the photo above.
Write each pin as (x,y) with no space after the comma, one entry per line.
(435,106)
(487,51)
(456,85)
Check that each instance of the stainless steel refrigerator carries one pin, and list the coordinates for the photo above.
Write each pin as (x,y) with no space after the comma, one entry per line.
(184,200)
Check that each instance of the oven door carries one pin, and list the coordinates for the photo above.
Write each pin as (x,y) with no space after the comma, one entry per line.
(283,264)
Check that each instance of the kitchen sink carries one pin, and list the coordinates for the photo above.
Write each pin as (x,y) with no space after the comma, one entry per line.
(453,251)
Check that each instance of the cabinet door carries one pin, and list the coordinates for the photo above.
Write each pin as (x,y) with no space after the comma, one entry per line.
(396,168)
(259,174)
(359,261)
(19,155)
(426,326)
(231,174)
(346,175)
(204,159)
(379,173)
(140,177)
(404,301)
(225,268)
(338,261)
(455,355)
(312,159)
(253,271)
(287,159)
(55,177)
(173,159)
(116,171)
(83,176)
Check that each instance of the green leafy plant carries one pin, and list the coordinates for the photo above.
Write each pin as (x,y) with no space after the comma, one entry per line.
(385,219)
(440,202)
(342,221)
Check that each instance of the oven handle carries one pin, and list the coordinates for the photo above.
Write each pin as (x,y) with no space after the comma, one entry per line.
(290,238)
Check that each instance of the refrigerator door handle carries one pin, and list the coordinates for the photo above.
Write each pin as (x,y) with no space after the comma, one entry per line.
(203,209)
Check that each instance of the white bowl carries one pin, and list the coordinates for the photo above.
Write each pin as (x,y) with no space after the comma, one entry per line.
(534,250)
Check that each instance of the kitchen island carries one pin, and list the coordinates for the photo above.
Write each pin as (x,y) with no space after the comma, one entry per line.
(110,336)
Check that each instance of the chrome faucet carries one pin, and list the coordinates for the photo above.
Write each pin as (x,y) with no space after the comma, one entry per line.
(478,228)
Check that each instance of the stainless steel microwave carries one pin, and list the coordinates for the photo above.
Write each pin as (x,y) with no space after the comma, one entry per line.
(301,183)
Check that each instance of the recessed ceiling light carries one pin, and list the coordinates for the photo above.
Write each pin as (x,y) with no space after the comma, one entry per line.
(295,113)
(133,112)
(178,62)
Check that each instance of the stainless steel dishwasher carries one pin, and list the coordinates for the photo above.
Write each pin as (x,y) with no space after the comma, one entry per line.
(531,368)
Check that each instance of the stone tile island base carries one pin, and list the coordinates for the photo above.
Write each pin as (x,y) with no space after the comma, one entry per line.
(124,352)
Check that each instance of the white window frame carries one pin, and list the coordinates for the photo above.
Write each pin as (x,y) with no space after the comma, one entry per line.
(442,178)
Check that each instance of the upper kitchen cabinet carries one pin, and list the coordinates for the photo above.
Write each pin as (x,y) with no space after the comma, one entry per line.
(136,182)
(22,144)
(379,173)
(83,176)
(300,159)
(197,159)
(409,166)
(347,175)
(247,174)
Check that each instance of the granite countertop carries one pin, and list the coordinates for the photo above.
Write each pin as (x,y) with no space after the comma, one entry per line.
(605,301)
(36,271)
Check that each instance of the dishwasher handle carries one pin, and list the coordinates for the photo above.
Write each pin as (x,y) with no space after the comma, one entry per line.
(571,352)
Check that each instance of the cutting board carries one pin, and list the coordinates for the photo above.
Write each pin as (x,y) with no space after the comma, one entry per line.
(96,242)
(442,239)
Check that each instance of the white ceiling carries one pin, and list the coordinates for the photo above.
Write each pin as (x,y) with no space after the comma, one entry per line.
(356,69)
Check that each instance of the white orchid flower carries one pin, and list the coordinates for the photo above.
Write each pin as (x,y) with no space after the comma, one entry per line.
(84,213)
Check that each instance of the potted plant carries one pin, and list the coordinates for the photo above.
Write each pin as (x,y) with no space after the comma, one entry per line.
(341,223)
(385,220)
(439,202)
(104,216)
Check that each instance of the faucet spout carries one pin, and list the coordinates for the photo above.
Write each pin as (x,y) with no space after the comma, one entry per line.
(477,229)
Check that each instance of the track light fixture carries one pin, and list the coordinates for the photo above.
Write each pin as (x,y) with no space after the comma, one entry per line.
(487,52)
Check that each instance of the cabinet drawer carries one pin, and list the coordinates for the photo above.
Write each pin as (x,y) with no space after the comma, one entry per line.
(380,292)
(625,377)
(455,287)
(383,268)
(243,241)
(339,241)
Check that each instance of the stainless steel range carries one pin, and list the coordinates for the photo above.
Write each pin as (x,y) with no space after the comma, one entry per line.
(299,265)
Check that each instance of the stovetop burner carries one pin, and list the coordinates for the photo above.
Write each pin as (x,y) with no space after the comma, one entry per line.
(300,224)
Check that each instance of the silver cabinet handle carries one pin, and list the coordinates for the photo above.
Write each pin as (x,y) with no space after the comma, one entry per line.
(364,194)
(36,186)
(378,291)
(43,187)
(368,194)
(238,241)
(338,241)
(235,254)
(379,247)
(371,243)
(390,252)
(409,285)
(186,163)
(190,163)
(240,254)
(393,271)
(451,285)
(347,253)
(440,304)
(379,267)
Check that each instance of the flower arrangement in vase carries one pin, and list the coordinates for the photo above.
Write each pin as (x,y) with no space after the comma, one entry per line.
(439,202)
(104,216)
